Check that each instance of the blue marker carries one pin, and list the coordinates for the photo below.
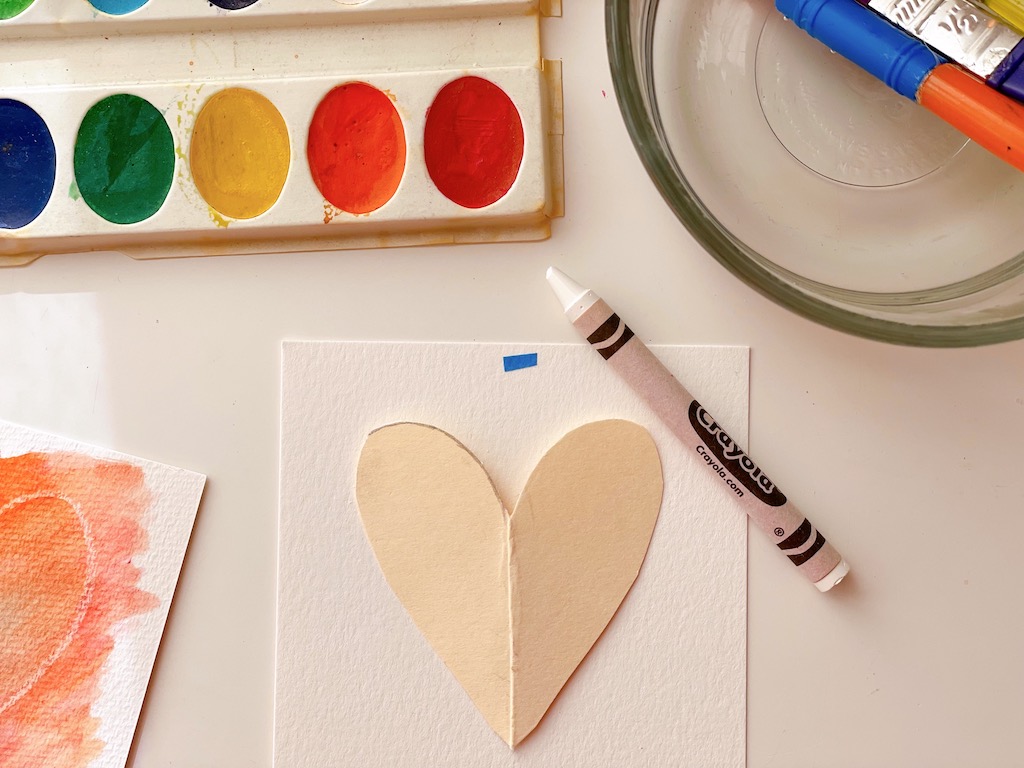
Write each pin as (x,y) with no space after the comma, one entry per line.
(866,39)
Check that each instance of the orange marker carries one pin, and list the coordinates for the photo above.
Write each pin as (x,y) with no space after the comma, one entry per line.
(982,113)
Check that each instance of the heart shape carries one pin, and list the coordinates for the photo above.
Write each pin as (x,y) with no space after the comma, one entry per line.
(46,575)
(512,603)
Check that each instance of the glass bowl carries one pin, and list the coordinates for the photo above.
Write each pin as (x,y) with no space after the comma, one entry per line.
(815,184)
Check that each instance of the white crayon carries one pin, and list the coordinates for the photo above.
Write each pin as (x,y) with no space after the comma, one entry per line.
(753,491)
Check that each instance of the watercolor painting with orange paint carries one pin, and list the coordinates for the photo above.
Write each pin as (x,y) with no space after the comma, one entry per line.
(86,580)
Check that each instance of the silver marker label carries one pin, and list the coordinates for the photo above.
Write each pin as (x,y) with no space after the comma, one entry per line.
(967,34)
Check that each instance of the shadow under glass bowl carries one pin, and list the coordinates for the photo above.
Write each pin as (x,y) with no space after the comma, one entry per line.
(814,183)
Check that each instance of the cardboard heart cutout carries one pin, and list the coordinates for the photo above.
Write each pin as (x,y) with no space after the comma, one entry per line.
(46,575)
(511,603)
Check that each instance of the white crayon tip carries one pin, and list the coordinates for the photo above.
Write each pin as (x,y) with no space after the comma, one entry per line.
(574,298)
(836,575)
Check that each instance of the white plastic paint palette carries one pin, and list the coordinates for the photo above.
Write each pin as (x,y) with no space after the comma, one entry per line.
(174,128)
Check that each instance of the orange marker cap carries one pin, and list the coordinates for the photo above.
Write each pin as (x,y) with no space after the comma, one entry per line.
(966,102)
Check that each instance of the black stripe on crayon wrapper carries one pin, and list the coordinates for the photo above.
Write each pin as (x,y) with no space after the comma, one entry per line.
(799,537)
(607,352)
(803,557)
(606,330)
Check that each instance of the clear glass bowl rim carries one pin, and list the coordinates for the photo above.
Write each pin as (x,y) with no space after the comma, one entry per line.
(733,254)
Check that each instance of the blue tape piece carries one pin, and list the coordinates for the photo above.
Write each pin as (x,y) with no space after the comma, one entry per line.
(519,362)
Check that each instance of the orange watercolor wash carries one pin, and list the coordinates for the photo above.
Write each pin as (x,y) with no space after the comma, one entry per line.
(69,528)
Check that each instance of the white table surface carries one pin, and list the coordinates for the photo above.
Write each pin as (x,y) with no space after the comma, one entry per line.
(910,460)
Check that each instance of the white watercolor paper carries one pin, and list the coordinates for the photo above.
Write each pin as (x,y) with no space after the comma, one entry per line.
(91,547)
(357,684)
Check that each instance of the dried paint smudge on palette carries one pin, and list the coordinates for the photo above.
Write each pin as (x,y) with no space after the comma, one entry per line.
(249,130)
(240,152)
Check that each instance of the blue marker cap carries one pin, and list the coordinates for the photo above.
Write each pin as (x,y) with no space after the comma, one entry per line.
(1008,77)
(868,40)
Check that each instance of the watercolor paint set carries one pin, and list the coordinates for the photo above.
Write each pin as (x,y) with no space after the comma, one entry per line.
(163,128)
